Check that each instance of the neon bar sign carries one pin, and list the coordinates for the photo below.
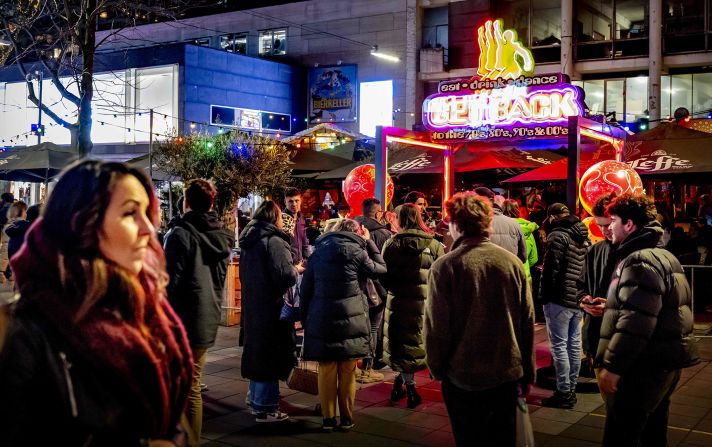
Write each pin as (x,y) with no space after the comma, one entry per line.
(504,100)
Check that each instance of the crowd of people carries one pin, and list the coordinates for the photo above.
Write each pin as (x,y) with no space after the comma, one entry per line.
(107,344)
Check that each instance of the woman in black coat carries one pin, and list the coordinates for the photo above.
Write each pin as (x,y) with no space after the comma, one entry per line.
(409,256)
(266,272)
(335,314)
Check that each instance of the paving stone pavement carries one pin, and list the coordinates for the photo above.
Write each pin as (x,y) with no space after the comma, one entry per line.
(380,422)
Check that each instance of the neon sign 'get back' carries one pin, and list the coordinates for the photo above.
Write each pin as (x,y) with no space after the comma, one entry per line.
(505,99)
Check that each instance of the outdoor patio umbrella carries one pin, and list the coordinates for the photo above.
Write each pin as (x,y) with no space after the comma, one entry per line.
(669,149)
(39,163)
(312,160)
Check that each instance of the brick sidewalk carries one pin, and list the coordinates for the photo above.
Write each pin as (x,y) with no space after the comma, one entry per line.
(382,423)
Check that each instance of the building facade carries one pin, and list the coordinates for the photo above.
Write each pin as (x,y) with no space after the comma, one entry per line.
(272,69)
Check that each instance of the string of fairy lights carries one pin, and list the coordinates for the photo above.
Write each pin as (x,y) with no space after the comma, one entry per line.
(191,125)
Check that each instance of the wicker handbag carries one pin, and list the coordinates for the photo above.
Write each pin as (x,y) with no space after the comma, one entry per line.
(305,376)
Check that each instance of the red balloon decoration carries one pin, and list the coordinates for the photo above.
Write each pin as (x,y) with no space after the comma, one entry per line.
(360,184)
(606,177)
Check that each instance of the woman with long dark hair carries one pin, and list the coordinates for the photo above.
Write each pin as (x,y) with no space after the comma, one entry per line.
(94,355)
(266,272)
(408,255)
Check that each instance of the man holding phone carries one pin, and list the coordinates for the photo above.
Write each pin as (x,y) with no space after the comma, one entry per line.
(593,283)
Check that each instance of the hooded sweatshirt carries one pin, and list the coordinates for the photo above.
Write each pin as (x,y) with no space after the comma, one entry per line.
(528,229)
(197,253)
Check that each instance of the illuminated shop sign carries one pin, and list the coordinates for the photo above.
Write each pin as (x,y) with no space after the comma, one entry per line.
(251,120)
(504,100)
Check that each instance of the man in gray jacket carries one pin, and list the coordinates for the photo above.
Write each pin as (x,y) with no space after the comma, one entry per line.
(505,231)
(479,339)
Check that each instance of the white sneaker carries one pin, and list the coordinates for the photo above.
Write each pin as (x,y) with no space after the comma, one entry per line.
(277,416)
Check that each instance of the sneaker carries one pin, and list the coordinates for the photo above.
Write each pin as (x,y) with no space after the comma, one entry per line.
(370,376)
(328,425)
(277,416)
(346,424)
(560,400)
(203,387)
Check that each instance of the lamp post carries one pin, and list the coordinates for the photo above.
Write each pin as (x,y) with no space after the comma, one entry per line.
(39,76)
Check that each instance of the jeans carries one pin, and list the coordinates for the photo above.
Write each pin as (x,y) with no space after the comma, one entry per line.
(486,417)
(564,328)
(637,414)
(408,378)
(264,396)
(375,316)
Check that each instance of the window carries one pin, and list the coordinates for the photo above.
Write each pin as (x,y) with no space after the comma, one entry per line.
(376,106)
(631,19)
(273,42)
(636,99)
(516,16)
(234,43)
(546,23)
(681,92)
(593,20)
(594,96)
(701,93)
(615,101)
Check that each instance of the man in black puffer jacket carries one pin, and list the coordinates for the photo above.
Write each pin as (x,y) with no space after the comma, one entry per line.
(646,330)
(566,245)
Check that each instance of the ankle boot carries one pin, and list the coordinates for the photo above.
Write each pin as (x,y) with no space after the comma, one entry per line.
(414,398)
(397,393)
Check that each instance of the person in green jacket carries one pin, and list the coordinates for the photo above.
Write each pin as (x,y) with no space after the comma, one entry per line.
(511,208)
(408,256)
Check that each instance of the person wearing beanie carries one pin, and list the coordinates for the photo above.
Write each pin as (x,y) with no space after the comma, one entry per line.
(566,246)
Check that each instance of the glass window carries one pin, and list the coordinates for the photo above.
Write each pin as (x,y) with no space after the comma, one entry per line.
(701,93)
(684,16)
(614,99)
(234,43)
(516,16)
(156,88)
(546,22)
(273,42)
(631,19)
(681,92)
(665,97)
(376,106)
(593,20)
(636,99)
(594,96)
(109,107)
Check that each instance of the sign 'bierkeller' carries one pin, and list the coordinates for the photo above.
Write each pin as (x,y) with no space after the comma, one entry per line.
(505,100)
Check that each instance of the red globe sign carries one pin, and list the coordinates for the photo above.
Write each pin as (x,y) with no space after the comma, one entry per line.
(606,177)
(360,185)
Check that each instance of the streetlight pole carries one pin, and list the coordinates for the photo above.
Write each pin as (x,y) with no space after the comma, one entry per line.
(40,78)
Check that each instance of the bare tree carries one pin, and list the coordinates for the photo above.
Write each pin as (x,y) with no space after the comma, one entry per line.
(59,37)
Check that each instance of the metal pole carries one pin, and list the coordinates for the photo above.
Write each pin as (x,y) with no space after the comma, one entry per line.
(655,61)
(40,78)
(381,165)
(150,145)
